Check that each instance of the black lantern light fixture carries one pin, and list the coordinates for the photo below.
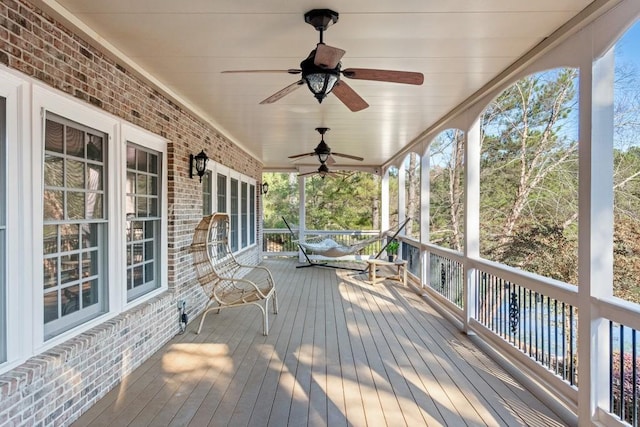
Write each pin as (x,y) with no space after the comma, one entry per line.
(199,163)
(265,188)
(322,150)
(320,79)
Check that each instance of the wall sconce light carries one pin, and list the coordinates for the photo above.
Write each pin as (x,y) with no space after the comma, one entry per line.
(265,188)
(199,163)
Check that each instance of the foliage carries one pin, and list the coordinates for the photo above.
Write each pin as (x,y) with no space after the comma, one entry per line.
(334,203)
(392,247)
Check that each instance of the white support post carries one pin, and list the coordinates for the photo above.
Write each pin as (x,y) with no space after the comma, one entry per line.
(402,195)
(425,199)
(384,202)
(471,218)
(595,233)
(302,216)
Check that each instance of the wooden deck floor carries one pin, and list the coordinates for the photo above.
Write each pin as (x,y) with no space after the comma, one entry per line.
(339,353)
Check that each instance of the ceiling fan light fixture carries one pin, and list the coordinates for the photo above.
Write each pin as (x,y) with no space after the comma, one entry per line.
(323,151)
(321,83)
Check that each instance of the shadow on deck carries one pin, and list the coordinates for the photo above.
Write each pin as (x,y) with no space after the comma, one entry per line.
(341,352)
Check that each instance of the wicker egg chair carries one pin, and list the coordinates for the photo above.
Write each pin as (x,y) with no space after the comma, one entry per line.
(226,282)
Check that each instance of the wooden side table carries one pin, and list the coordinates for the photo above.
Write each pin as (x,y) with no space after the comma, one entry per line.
(401,272)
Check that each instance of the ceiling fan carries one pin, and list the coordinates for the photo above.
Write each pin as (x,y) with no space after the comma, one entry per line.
(321,70)
(323,151)
(324,171)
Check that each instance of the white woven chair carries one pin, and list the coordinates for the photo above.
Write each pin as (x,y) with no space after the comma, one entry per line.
(227,282)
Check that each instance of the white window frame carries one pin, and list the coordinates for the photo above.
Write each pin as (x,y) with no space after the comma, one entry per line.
(25,309)
(157,144)
(101,222)
(244,228)
(15,90)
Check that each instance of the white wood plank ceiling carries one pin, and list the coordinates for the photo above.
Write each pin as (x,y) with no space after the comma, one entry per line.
(458,45)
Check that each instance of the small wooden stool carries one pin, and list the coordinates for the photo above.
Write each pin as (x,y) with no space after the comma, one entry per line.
(400,276)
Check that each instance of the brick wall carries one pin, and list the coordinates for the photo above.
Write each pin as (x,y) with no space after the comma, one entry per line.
(55,387)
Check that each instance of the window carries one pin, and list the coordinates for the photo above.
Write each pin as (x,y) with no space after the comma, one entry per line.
(74,232)
(252,214)
(234,215)
(3,231)
(207,194)
(143,220)
(244,214)
(222,193)
(235,194)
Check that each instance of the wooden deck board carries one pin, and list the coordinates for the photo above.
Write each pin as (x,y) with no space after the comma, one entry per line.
(341,352)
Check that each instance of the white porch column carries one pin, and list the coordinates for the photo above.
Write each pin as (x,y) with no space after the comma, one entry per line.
(595,233)
(402,194)
(302,215)
(471,248)
(425,197)
(384,202)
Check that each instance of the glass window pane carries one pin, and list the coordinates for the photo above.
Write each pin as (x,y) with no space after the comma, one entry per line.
(70,300)
(153,163)
(142,211)
(69,238)
(89,236)
(131,183)
(94,206)
(148,251)
(53,171)
(70,268)
(53,205)
(75,142)
(153,185)
(90,293)
(206,194)
(221,186)
(50,272)
(149,229)
(142,161)
(89,264)
(153,207)
(75,205)
(50,306)
(75,174)
(94,181)
(50,239)
(149,272)
(137,253)
(141,185)
(94,148)
(53,140)
(138,278)
(131,157)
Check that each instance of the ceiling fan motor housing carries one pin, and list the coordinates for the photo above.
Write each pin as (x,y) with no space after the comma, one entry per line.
(321,19)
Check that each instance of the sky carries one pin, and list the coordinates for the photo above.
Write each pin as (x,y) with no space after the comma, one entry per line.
(628,47)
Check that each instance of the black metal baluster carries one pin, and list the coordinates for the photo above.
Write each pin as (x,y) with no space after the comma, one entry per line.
(622,379)
(549,332)
(634,378)
(611,400)
(564,342)
(572,380)
(555,326)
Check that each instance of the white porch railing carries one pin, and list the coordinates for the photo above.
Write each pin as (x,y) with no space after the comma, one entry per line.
(528,319)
